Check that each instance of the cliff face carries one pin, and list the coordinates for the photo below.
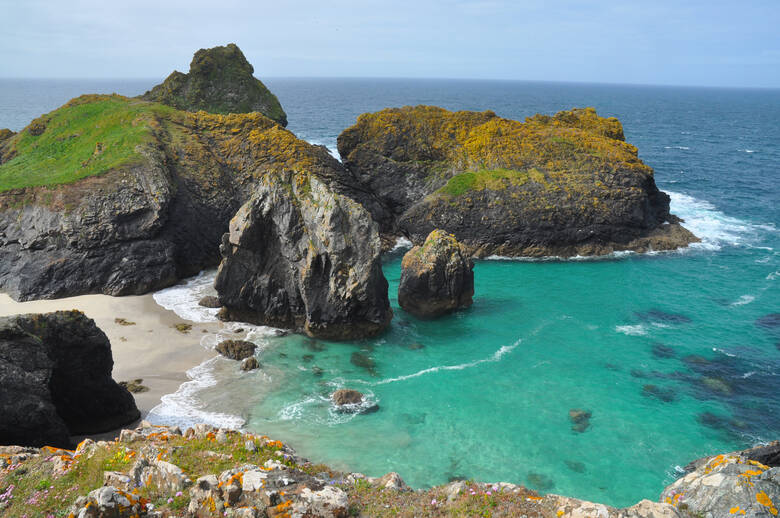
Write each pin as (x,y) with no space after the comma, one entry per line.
(121,196)
(301,256)
(55,380)
(561,185)
(220,80)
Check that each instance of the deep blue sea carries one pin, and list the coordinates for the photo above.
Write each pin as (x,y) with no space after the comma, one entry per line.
(672,353)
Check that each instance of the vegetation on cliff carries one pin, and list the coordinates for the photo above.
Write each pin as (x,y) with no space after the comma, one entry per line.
(555,185)
(220,80)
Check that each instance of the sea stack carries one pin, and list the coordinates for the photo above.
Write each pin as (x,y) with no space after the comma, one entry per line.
(55,380)
(220,80)
(301,256)
(437,277)
(561,185)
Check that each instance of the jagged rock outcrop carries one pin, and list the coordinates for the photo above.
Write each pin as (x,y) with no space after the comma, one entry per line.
(436,277)
(731,484)
(139,198)
(301,256)
(220,80)
(236,349)
(562,185)
(55,380)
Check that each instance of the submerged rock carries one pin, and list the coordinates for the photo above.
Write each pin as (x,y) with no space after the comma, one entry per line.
(301,256)
(580,419)
(55,380)
(563,185)
(769,321)
(663,351)
(436,277)
(667,395)
(220,81)
(663,317)
(250,364)
(236,349)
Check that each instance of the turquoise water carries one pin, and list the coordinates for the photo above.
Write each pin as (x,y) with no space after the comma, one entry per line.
(665,350)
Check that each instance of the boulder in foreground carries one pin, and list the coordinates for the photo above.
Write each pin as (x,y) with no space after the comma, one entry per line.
(55,380)
(436,277)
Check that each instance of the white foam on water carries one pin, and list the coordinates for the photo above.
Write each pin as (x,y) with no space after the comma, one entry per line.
(332,148)
(183,408)
(744,299)
(401,243)
(747,150)
(683,148)
(183,298)
(632,330)
(496,356)
(774,275)
(714,228)
(721,351)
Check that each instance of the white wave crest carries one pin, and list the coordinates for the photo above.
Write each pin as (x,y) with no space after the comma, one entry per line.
(401,243)
(496,356)
(330,146)
(714,228)
(183,298)
(744,299)
(632,330)
(774,275)
(683,148)
(183,409)
(747,150)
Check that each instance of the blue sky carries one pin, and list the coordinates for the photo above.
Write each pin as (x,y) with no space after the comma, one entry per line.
(712,43)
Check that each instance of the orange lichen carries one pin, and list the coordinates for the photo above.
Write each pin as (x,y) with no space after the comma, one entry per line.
(763,499)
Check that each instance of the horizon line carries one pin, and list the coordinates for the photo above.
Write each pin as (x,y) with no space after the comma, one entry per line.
(419,78)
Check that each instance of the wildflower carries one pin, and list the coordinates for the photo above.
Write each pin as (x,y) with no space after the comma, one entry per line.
(495,487)
(434,502)
(488,493)
(179,493)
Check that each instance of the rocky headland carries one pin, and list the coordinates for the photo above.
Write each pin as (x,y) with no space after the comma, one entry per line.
(550,186)
(55,380)
(220,80)
(203,472)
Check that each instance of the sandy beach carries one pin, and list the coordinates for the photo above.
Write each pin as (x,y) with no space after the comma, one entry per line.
(146,346)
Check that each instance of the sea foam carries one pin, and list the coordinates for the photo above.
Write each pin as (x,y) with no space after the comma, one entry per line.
(183,298)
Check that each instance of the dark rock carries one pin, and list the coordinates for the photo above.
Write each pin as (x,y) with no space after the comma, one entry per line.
(667,395)
(437,277)
(767,454)
(352,402)
(210,301)
(317,371)
(301,256)
(580,419)
(663,351)
(575,466)
(236,349)
(638,373)
(55,380)
(249,364)
(135,386)
(662,317)
(141,226)
(771,321)
(307,358)
(717,385)
(220,81)
(509,188)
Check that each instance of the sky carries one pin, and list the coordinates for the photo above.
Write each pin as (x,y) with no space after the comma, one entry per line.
(681,42)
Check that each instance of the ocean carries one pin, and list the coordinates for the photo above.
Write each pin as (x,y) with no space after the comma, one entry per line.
(671,353)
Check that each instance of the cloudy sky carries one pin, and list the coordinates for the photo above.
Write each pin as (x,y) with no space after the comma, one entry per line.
(690,42)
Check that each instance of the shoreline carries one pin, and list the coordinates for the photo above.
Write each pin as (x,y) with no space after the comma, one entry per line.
(150,348)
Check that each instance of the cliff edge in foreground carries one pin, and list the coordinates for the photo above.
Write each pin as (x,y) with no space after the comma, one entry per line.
(160,472)
(550,186)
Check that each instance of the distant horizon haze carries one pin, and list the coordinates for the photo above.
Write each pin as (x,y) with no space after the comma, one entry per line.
(717,43)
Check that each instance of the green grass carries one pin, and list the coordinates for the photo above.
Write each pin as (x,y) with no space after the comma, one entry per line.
(493,179)
(86,137)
